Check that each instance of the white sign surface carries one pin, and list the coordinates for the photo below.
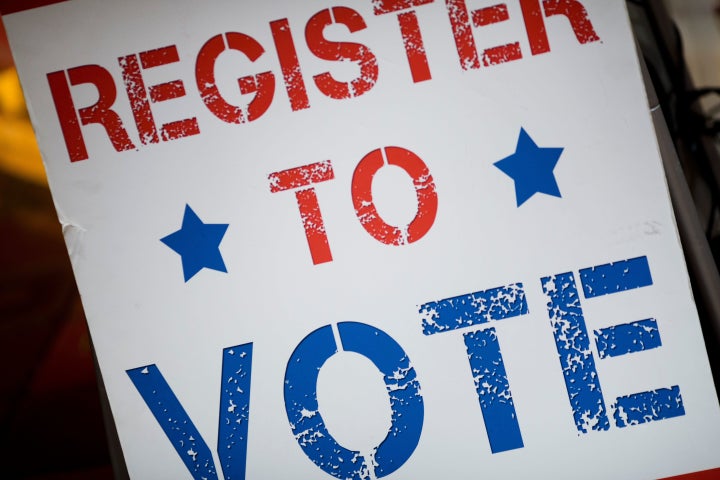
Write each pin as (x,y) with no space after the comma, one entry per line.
(410,239)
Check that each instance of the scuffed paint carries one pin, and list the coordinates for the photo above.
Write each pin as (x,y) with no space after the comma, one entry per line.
(473,309)
(381,7)
(306,420)
(462,33)
(483,350)
(290,65)
(234,410)
(262,85)
(141,97)
(627,338)
(333,51)
(365,209)
(301,405)
(414,47)
(615,277)
(303,176)
(577,16)
(137,94)
(644,407)
(576,358)
(403,387)
(493,390)
(174,421)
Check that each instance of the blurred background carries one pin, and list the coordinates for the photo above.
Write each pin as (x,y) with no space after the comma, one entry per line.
(52,403)
(51,423)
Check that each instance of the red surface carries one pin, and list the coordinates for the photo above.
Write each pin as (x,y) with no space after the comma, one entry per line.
(12,6)
(713,474)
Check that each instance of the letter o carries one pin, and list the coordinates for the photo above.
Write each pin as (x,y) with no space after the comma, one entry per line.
(424,188)
(306,420)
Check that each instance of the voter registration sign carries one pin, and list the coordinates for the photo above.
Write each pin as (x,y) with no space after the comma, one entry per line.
(412,239)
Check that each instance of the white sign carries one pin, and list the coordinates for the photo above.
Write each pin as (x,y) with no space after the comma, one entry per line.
(410,239)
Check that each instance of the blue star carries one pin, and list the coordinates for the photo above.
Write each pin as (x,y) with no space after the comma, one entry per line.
(198,244)
(531,168)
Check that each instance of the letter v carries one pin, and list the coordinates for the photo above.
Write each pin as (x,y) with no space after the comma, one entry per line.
(180,430)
